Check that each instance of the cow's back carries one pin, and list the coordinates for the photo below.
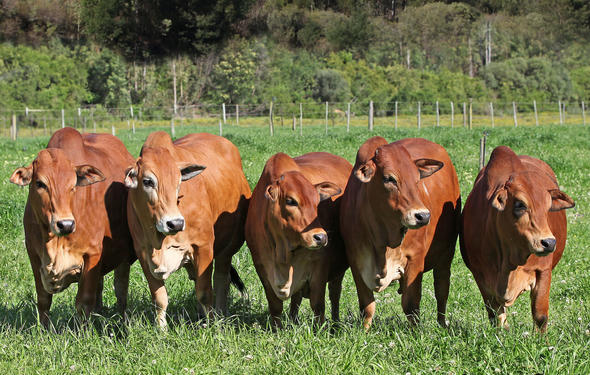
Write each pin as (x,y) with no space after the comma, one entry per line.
(224,177)
(322,166)
(223,183)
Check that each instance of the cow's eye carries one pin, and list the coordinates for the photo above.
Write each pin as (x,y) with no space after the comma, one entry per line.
(40,185)
(291,202)
(390,180)
(148,182)
(519,208)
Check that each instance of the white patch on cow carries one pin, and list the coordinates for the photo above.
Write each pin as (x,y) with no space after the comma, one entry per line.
(519,281)
(168,260)
(61,268)
(395,264)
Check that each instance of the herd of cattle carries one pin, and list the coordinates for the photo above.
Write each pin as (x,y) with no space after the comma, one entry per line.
(392,216)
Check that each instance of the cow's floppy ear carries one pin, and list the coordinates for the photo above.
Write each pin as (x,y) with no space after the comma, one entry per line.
(428,167)
(22,176)
(272,192)
(88,175)
(327,190)
(189,171)
(560,200)
(499,199)
(366,171)
(131,177)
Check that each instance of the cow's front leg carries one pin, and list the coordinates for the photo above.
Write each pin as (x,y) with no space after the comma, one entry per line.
(317,300)
(159,294)
(275,305)
(43,298)
(366,300)
(412,291)
(540,300)
(221,280)
(121,284)
(88,286)
(335,290)
(203,263)
(294,306)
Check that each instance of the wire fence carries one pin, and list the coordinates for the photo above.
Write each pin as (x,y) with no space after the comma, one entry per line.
(34,121)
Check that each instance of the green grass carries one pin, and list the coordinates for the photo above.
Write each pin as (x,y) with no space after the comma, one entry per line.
(244,344)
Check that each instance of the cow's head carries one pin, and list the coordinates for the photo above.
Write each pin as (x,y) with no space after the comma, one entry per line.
(292,219)
(154,182)
(53,180)
(392,179)
(524,204)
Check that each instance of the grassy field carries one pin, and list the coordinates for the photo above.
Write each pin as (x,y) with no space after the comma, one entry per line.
(244,344)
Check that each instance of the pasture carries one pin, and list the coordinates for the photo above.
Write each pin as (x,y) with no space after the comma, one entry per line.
(244,343)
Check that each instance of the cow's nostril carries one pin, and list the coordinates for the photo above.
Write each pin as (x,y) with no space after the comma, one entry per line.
(175,225)
(66,226)
(422,217)
(548,244)
(321,238)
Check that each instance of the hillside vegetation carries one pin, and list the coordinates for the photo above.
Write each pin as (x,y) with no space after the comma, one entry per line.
(114,53)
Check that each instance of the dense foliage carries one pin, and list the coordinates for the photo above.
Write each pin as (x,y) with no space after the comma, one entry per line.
(119,52)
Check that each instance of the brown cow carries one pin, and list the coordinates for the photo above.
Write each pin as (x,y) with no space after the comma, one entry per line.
(389,192)
(75,232)
(293,238)
(514,231)
(180,221)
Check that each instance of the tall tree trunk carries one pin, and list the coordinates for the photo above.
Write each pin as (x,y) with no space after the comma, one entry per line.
(174,81)
(470,57)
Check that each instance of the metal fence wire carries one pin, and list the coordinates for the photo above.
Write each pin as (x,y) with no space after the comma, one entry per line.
(35,121)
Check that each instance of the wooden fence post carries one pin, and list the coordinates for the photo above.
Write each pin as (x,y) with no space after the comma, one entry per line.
(464,115)
(583,114)
(172,130)
(294,127)
(270,124)
(348,118)
(419,116)
(437,115)
(113,129)
(237,114)
(326,118)
(481,153)
(536,116)
(63,119)
(514,113)
(492,113)
(300,118)
(470,113)
(371,115)
(395,121)
(13,127)
(560,117)
(563,112)
(223,111)
(452,115)
(220,129)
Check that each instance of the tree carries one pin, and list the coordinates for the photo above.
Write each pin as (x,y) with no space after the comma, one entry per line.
(141,29)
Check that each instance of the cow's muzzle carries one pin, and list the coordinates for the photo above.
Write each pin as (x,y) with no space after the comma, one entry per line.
(170,225)
(415,219)
(63,227)
(547,246)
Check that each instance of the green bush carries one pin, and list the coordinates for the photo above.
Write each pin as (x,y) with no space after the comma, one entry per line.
(44,77)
